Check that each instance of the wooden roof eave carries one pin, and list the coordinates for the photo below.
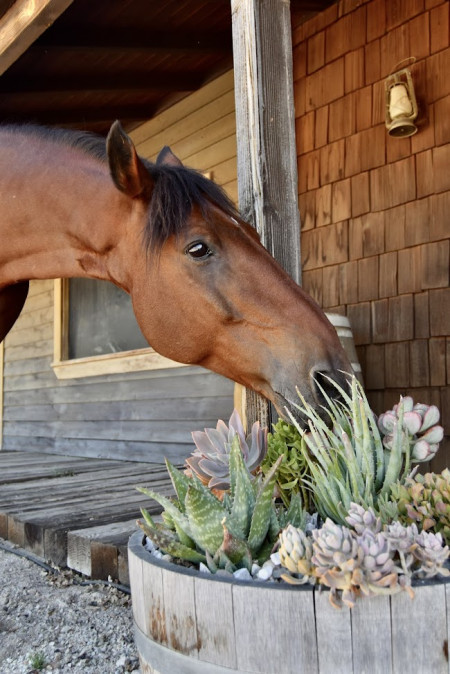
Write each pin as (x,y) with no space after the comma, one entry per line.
(23,23)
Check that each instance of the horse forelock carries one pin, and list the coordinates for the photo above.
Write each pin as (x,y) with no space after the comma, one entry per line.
(176,191)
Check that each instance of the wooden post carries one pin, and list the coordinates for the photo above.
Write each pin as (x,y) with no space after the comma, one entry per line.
(265,131)
(2,356)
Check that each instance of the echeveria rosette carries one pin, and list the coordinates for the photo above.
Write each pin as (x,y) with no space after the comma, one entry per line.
(420,424)
(224,534)
(379,573)
(295,554)
(432,555)
(210,460)
(361,520)
(362,560)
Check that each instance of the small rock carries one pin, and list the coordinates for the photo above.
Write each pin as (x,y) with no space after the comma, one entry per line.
(265,573)
(121,661)
(275,558)
(242,574)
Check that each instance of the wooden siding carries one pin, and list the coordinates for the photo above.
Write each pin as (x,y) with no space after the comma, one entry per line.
(200,130)
(140,416)
(374,209)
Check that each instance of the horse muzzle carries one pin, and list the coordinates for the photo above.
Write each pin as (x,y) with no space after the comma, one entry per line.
(315,391)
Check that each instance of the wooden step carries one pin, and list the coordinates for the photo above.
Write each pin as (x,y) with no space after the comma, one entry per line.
(76,512)
(101,552)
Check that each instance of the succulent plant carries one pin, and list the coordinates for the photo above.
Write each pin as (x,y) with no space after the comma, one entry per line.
(295,554)
(210,459)
(347,462)
(362,520)
(224,534)
(363,560)
(431,554)
(420,423)
(286,441)
(425,501)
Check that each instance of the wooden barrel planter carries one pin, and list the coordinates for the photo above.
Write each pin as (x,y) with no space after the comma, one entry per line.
(191,623)
(344,330)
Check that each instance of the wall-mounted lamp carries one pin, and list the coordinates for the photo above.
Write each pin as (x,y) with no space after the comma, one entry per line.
(401,104)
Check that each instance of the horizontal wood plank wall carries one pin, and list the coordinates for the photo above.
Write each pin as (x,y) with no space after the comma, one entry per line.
(141,416)
(375,209)
(200,130)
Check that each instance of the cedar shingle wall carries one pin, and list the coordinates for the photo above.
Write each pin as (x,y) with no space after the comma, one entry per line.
(376,210)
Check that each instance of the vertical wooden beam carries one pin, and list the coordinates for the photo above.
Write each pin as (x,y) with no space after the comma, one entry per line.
(265,131)
(60,320)
(2,360)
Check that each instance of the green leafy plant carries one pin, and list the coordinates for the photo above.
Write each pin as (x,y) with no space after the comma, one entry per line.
(37,661)
(363,559)
(346,458)
(425,501)
(210,460)
(286,441)
(224,534)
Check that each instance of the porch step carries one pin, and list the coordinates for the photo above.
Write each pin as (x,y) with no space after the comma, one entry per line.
(49,502)
(100,552)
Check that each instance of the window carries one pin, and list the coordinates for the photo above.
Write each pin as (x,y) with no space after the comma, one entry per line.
(95,332)
(101,320)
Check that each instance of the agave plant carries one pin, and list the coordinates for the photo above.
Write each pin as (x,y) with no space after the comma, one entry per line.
(230,533)
(347,460)
(420,423)
(363,559)
(210,459)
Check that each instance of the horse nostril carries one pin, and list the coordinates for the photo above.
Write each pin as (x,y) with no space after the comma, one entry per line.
(324,386)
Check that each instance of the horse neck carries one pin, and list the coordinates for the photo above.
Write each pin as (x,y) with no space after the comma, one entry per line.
(60,213)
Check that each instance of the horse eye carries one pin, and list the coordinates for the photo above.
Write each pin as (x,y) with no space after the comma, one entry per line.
(198,250)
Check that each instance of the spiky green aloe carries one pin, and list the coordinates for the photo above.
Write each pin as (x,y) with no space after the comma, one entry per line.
(347,461)
(224,534)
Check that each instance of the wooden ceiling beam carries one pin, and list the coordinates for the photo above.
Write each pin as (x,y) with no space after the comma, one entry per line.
(23,23)
(119,82)
(106,39)
(96,114)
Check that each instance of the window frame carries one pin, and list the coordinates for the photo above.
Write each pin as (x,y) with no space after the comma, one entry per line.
(136,360)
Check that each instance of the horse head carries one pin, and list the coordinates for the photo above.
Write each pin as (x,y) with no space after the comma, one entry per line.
(208,293)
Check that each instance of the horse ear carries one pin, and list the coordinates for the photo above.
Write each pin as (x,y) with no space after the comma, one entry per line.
(127,170)
(167,158)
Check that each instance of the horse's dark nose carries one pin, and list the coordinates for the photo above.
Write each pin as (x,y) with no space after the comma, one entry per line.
(328,384)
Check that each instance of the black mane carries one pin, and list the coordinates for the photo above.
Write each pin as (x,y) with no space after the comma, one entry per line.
(176,189)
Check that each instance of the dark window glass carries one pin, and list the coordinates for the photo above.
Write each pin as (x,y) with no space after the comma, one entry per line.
(101,319)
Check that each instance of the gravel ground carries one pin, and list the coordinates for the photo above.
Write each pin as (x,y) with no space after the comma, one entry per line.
(50,623)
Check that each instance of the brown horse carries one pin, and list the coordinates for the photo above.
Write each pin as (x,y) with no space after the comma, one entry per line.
(204,289)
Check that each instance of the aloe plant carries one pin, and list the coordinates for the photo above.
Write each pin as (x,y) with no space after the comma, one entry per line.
(224,534)
(347,459)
